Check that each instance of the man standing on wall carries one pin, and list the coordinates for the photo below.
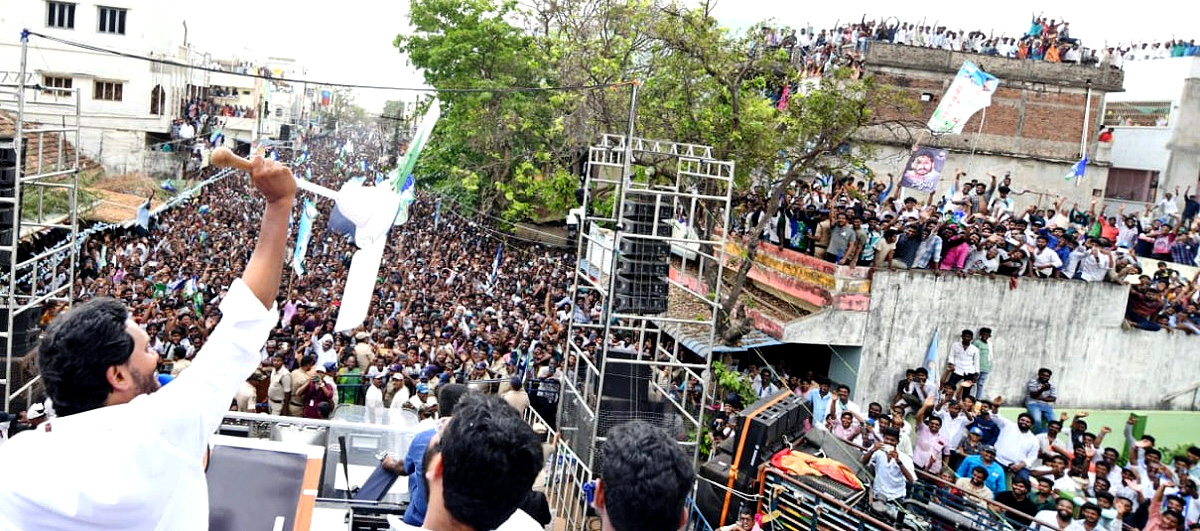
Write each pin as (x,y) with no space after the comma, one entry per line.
(1040,399)
(964,360)
(984,346)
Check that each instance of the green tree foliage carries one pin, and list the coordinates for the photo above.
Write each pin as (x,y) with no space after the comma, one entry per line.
(518,153)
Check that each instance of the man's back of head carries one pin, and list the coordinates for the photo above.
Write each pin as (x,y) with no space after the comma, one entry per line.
(645,480)
(481,465)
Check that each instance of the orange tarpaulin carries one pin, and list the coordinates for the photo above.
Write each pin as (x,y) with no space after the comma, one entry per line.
(802,464)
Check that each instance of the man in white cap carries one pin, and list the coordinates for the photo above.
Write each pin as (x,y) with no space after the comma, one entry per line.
(374,400)
(99,370)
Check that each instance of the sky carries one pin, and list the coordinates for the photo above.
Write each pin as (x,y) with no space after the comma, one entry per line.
(351,40)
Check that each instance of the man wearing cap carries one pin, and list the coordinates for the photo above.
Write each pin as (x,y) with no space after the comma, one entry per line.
(987,460)
(300,376)
(317,395)
(98,369)
(363,352)
(423,402)
(374,400)
(516,396)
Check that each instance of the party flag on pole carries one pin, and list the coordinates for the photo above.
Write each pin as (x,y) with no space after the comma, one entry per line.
(373,215)
(970,91)
(495,267)
(1078,170)
(303,235)
(931,357)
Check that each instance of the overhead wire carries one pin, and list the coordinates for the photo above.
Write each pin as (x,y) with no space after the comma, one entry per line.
(100,49)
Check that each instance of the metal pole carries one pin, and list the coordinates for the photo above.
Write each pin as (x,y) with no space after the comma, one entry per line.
(610,302)
(11,298)
(1087,115)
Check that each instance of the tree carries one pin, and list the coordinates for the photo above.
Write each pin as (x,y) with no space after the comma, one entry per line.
(714,87)
(343,110)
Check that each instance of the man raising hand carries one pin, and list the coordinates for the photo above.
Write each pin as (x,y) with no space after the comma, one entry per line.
(142,467)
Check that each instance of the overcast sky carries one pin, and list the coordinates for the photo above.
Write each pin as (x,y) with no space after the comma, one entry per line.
(351,40)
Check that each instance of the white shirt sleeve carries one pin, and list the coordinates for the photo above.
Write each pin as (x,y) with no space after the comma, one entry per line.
(190,408)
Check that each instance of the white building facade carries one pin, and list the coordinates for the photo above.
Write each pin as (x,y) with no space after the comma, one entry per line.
(127,104)
(1156,130)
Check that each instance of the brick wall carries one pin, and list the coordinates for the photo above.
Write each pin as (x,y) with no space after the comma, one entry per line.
(1037,112)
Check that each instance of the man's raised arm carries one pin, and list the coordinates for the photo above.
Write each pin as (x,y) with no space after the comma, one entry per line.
(264,271)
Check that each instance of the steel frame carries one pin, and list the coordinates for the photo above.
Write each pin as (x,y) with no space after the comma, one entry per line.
(18,281)
(701,186)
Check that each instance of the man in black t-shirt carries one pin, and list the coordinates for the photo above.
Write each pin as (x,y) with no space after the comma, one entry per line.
(1017,500)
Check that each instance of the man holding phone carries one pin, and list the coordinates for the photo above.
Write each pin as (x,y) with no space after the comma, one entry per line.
(893,472)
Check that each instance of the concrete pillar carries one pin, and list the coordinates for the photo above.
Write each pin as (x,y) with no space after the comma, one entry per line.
(1183,167)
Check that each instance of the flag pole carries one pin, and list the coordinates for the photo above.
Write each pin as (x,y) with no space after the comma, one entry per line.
(1087,115)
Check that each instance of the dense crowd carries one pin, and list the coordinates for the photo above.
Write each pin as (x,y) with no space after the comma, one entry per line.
(947,434)
(977,230)
(438,314)
(818,51)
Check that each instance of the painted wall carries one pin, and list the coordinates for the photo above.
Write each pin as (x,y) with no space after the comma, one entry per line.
(1071,327)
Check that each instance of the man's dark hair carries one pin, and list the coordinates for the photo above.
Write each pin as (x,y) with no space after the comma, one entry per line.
(308,360)
(1045,370)
(646,478)
(1089,506)
(77,350)
(985,330)
(448,396)
(889,432)
(1105,495)
(490,459)
(921,370)
(843,386)
(1152,441)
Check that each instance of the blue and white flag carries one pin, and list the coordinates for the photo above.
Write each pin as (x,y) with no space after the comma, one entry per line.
(931,357)
(407,196)
(303,235)
(1078,170)
(495,267)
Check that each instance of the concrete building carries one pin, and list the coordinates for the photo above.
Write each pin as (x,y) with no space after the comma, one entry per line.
(128,104)
(1034,127)
(1156,143)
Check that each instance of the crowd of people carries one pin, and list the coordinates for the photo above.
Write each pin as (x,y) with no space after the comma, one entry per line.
(947,434)
(819,51)
(440,313)
(976,229)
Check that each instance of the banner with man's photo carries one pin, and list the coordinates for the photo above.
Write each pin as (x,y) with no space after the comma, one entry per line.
(924,169)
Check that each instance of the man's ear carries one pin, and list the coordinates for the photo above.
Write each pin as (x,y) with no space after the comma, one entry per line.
(119,378)
(435,469)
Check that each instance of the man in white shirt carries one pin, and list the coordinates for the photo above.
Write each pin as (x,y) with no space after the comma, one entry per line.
(279,392)
(954,423)
(1045,260)
(374,400)
(893,472)
(149,443)
(1017,446)
(964,359)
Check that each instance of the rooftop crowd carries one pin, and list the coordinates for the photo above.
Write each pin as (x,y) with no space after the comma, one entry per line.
(977,230)
(819,51)
(945,435)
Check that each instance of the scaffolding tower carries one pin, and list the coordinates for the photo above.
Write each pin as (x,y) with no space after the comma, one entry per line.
(623,361)
(40,185)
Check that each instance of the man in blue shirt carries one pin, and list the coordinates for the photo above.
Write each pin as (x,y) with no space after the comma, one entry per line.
(821,399)
(413,465)
(985,423)
(987,461)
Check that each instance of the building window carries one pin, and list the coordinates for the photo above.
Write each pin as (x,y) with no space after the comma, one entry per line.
(56,82)
(108,91)
(112,20)
(1126,184)
(158,100)
(1137,113)
(60,15)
